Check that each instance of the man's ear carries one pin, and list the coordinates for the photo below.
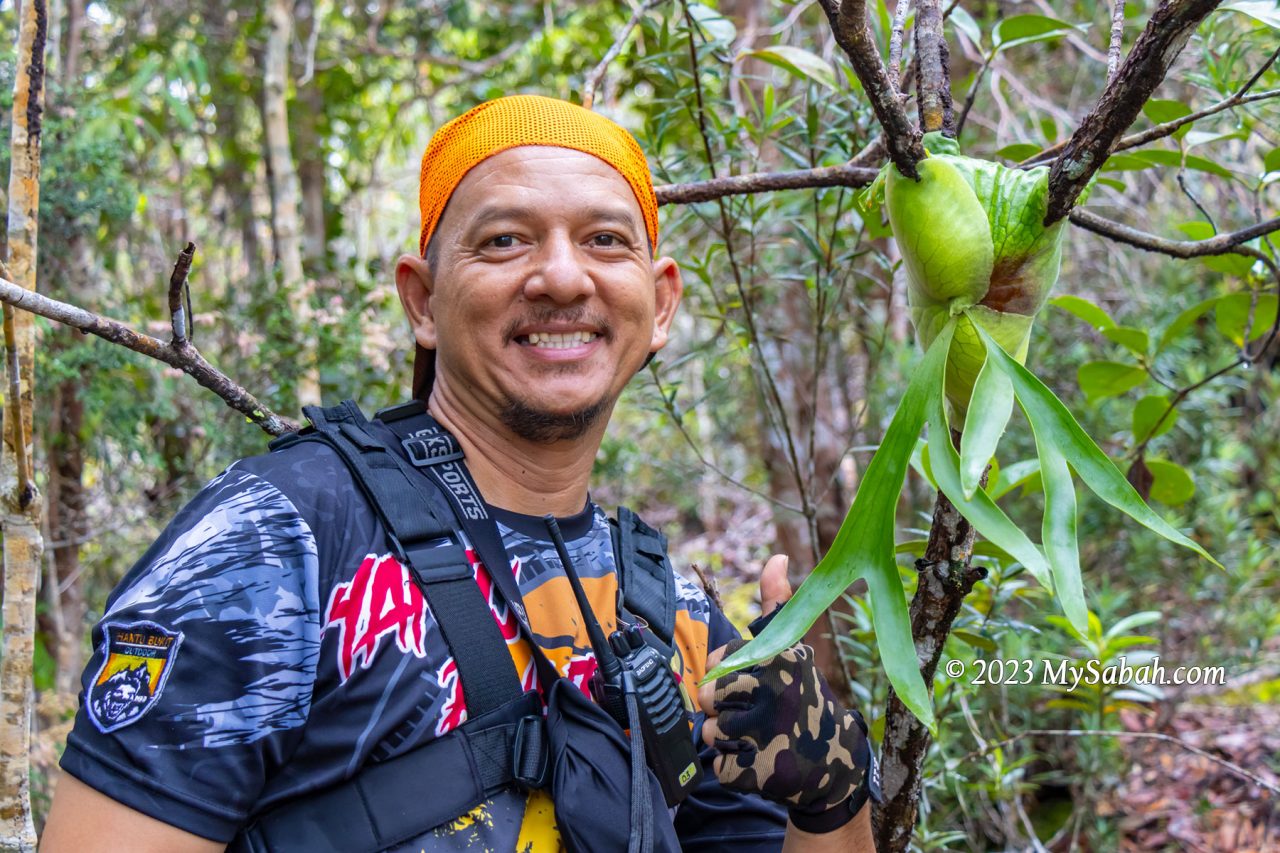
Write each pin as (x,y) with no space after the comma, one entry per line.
(415,285)
(668,288)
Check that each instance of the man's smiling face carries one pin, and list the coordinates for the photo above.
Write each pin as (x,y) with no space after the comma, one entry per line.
(543,299)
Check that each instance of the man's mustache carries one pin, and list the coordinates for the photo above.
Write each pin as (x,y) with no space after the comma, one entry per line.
(559,316)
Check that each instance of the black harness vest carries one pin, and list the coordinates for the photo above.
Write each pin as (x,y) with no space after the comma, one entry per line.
(503,744)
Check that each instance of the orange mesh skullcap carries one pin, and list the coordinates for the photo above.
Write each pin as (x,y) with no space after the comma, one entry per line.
(516,120)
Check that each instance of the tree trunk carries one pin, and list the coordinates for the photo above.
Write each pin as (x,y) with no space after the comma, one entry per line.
(817,430)
(310,150)
(945,579)
(284,190)
(66,503)
(75,28)
(21,519)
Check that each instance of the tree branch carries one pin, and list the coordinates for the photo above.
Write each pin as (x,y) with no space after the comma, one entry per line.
(1221,244)
(183,356)
(902,140)
(946,577)
(1168,128)
(597,74)
(759,182)
(1117,39)
(895,42)
(1164,37)
(933,74)
(177,287)
(973,90)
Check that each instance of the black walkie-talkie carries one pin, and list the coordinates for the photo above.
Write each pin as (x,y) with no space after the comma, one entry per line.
(627,665)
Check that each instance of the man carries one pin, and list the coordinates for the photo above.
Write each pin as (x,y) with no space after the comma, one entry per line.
(274,645)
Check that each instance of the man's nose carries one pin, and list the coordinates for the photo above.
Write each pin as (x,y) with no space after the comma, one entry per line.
(560,271)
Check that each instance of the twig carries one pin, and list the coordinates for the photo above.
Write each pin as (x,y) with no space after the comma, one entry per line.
(895,42)
(672,413)
(973,90)
(1186,190)
(933,73)
(1160,736)
(1220,244)
(849,23)
(1164,37)
(318,11)
(185,357)
(1117,38)
(709,585)
(823,176)
(773,395)
(177,287)
(1168,128)
(597,73)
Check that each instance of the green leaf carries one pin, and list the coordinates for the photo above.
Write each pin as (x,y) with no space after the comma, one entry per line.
(1265,11)
(1024,29)
(1232,315)
(1126,163)
(1102,379)
(980,510)
(1058,529)
(1163,157)
(1084,309)
(1148,413)
(1184,320)
(1138,160)
(965,23)
(1236,265)
(1271,163)
(1052,420)
(714,26)
(1013,476)
(989,411)
(1018,151)
(800,62)
(976,640)
(1170,484)
(1161,111)
(1195,138)
(1135,340)
(1133,620)
(864,548)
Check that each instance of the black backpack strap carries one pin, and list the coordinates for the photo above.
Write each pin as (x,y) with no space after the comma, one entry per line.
(435,452)
(646,580)
(385,805)
(398,494)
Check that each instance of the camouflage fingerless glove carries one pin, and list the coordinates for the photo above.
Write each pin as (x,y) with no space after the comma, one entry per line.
(784,736)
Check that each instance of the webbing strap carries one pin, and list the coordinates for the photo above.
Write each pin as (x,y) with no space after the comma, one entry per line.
(393,801)
(432,450)
(648,584)
(396,493)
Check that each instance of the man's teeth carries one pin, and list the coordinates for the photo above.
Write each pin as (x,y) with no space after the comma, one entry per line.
(560,340)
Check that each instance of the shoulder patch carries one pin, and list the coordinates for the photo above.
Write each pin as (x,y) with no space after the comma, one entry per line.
(137,659)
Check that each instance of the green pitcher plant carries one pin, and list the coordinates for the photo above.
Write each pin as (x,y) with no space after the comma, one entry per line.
(980,265)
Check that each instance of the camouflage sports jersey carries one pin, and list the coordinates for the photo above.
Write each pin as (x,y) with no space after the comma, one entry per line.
(268,645)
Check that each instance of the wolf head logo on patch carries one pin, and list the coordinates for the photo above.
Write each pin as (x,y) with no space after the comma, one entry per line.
(137,658)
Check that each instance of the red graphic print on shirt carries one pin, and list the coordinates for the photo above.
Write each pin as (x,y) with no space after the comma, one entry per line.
(381,599)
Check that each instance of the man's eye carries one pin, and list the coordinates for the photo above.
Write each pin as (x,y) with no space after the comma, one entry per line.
(502,241)
(607,241)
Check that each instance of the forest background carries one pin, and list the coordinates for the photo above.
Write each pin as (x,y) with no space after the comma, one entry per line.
(284,138)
